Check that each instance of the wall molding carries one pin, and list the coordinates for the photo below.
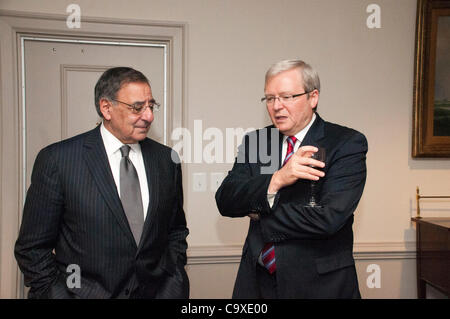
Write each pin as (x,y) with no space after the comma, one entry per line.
(385,250)
(225,254)
(214,254)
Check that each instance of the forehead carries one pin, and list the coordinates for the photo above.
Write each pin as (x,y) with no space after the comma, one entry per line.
(286,80)
(135,90)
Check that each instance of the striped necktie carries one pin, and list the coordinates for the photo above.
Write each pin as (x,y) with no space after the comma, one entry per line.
(268,252)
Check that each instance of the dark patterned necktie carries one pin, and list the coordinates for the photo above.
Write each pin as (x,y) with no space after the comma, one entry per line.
(130,194)
(268,252)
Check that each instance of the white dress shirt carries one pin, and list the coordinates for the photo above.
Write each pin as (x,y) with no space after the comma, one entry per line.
(112,147)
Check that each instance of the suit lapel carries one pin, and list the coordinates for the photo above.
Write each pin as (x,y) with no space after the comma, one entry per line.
(98,164)
(151,163)
(315,134)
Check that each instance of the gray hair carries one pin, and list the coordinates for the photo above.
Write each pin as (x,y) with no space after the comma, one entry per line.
(310,76)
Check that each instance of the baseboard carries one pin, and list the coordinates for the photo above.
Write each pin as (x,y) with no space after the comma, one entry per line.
(224,254)
(214,254)
(385,250)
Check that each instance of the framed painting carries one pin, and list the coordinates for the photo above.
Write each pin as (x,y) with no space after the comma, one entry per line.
(431,116)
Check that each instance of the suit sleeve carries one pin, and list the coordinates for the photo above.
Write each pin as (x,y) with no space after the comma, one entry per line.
(176,286)
(40,224)
(341,191)
(242,192)
(178,231)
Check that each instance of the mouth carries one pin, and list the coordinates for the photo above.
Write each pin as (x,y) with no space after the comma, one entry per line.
(143,127)
(280,118)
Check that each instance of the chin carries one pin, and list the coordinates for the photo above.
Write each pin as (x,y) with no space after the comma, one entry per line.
(283,129)
(140,137)
(141,133)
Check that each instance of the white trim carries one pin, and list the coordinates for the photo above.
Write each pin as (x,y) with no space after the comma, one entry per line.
(24,120)
(165,95)
(225,254)
(384,250)
(123,43)
(214,254)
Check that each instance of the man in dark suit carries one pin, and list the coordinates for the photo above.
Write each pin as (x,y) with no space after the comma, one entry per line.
(109,203)
(295,250)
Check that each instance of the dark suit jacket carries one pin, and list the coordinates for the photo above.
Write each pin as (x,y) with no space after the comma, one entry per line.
(313,246)
(73,215)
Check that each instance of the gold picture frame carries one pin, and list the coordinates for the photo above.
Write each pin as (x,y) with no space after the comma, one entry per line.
(431,115)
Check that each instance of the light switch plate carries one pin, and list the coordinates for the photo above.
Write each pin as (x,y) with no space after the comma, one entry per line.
(199,182)
(216,180)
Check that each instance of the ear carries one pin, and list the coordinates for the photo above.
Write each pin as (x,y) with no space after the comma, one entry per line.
(314,98)
(105,108)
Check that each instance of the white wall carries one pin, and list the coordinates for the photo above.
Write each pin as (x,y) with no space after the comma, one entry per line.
(367,84)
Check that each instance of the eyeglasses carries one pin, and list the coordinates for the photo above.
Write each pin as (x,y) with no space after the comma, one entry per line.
(284,99)
(140,107)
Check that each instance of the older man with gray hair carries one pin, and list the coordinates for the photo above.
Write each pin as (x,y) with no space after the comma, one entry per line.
(300,239)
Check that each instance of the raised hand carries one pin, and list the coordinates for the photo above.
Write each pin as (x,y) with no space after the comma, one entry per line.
(299,166)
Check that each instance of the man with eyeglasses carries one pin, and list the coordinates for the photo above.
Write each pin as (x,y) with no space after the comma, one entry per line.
(103,216)
(295,247)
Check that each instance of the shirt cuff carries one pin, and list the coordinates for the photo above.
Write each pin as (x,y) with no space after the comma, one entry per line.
(271,198)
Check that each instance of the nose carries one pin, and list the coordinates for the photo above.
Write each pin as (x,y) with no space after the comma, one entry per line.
(147,115)
(277,103)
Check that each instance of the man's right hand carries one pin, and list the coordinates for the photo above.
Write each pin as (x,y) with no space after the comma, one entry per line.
(298,167)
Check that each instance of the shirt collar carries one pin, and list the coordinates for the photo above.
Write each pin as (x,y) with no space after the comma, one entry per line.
(112,143)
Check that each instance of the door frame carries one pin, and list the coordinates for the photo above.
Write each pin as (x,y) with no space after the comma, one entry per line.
(14,28)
